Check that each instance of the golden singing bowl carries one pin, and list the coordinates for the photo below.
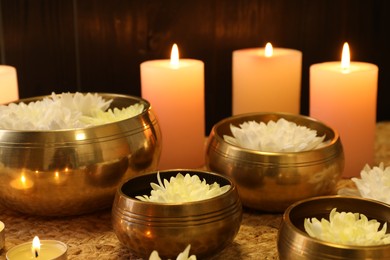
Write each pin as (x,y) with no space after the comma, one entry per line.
(295,244)
(271,181)
(76,171)
(207,225)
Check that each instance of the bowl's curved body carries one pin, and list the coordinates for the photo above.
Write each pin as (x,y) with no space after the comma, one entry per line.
(69,172)
(295,244)
(273,181)
(207,225)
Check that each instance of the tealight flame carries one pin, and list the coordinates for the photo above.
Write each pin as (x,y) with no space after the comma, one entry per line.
(22,182)
(175,56)
(268,50)
(148,233)
(345,57)
(36,247)
(23,179)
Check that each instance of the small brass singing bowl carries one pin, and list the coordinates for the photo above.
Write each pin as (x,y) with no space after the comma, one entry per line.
(207,225)
(272,181)
(294,243)
(76,171)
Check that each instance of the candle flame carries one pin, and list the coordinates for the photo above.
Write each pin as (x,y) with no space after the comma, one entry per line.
(148,233)
(175,56)
(22,182)
(268,50)
(345,57)
(36,247)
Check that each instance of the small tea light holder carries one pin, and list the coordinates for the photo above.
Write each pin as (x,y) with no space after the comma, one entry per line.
(39,249)
(2,235)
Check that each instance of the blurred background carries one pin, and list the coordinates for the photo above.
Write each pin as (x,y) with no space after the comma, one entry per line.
(98,45)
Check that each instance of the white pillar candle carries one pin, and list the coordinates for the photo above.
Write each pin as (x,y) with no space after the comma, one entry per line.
(266,80)
(8,84)
(344,97)
(175,89)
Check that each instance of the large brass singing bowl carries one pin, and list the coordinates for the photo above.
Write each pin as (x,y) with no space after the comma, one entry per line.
(207,225)
(271,181)
(69,172)
(295,244)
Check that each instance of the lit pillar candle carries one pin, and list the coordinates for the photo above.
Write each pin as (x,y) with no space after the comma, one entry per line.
(175,89)
(343,95)
(39,249)
(8,84)
(266,80)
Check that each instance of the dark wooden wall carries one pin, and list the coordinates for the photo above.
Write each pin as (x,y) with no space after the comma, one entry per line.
(97,45)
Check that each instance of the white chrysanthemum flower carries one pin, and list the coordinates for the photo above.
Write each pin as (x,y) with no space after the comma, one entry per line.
(182,256)
(347,228)
(280,136)
(99,117)
(181,188)
(374,183)
(87,104)
(65,111)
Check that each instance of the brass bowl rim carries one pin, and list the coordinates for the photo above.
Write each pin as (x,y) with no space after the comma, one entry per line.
(286,219)
(61,131)
(280,115)
(179,204)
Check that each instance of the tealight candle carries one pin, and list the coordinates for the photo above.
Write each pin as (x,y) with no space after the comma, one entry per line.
(41,250)
(175,89)
(8,84)
(343,95)
(266,80)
